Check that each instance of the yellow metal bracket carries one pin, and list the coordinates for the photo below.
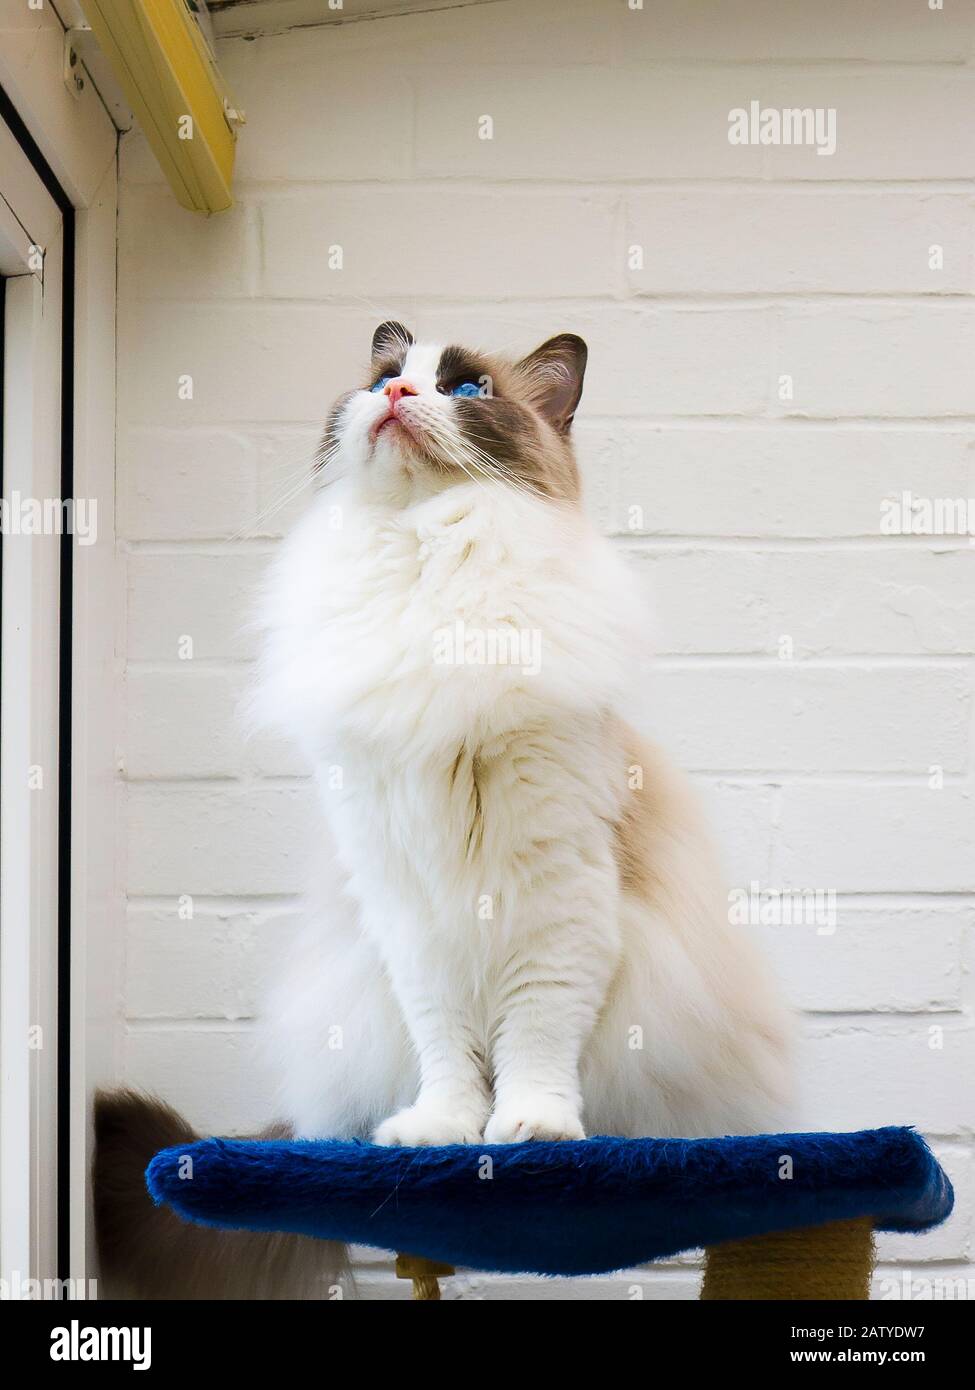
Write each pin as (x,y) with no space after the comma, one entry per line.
(426,1274)
(166,70)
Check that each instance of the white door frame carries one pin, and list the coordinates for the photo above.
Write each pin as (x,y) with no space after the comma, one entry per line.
(69,951)
(29,753)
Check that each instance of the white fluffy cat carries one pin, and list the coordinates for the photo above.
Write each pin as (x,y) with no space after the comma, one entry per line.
(521,933)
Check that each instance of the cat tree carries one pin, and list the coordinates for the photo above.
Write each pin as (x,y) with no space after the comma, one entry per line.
(780,1216)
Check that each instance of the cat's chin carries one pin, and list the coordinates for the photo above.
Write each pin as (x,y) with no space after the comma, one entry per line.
(389,427)
(399,442)
(404,458)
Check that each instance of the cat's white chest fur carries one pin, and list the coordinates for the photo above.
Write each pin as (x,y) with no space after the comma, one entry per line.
(466,600)
(454,672)
(450,698)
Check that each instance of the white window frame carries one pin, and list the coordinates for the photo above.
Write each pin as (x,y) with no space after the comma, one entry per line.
(77,141)
(28,726)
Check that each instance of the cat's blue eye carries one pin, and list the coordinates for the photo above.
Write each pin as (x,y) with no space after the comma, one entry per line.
(383,381)
(466,389)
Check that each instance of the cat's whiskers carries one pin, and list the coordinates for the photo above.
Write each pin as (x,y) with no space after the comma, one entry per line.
(496,469)
(292,490)
(488,468)
(461,452)
(291,450)
(466,455)
(446,444)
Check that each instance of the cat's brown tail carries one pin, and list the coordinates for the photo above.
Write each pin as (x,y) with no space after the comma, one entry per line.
(147,1252)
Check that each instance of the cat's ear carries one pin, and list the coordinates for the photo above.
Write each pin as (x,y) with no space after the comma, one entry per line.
(553,374)
(390,339)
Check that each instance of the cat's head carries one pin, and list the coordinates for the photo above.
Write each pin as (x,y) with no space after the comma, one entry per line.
(432,416)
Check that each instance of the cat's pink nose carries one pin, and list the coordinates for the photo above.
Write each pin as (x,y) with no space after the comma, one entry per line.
(398,387)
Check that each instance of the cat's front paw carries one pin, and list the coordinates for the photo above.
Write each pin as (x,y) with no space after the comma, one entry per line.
(535,1116)
(423,1125)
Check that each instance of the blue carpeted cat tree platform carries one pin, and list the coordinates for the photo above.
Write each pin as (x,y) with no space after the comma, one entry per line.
(781,1215)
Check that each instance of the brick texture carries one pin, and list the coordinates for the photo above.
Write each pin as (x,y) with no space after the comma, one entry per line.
(780,342)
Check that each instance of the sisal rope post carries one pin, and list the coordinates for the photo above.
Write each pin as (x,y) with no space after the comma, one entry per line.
(424,1273)
(831,1261)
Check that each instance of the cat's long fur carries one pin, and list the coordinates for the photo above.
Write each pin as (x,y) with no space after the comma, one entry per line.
(147,1252)
(521,931)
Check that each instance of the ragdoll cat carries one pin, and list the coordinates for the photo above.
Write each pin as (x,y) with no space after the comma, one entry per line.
(525,937)
(520,933)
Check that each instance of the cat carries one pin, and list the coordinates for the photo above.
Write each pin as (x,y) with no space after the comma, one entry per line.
(520,931)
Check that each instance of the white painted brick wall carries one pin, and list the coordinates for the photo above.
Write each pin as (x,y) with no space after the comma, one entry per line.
(747,517)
